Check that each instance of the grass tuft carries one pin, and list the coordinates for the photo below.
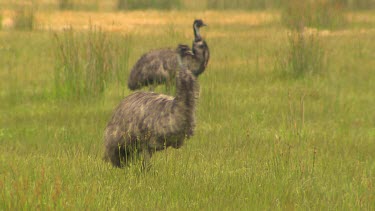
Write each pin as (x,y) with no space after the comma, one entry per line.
(24,19)
(361,4)
(146,4)
(305,55)
(87,61)
(66,4)
(78,5)
(242,4)
(314,13)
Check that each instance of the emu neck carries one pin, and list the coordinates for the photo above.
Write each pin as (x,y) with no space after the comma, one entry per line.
(197,36)
(184,102)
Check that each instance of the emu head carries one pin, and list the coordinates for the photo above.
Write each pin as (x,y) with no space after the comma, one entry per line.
(183,52)
(198,23)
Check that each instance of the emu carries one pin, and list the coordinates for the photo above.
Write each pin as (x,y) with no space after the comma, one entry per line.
(145,122)
(159,66)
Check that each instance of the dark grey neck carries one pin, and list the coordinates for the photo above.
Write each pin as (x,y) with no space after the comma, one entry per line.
(197,36)
(200,58)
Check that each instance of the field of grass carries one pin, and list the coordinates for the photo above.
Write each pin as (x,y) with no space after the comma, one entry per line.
(264,139)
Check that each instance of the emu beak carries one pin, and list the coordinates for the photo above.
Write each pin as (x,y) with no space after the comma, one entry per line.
(190,53)
(204,24)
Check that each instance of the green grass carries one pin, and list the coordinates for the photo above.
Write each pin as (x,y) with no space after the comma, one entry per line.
(261,142)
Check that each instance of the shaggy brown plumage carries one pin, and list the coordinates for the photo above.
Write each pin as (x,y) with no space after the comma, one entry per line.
(160,66)
(145,122)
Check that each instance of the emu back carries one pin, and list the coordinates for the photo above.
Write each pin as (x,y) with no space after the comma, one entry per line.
(156,67)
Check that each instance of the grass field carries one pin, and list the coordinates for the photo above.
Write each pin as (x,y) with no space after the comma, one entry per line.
(264,140)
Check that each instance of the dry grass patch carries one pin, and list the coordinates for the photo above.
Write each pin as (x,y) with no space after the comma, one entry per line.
(130,21)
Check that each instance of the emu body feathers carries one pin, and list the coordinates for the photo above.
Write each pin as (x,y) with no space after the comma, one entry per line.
(159,66)
(149,122)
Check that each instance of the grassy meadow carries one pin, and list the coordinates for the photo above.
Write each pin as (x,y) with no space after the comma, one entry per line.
(267,137)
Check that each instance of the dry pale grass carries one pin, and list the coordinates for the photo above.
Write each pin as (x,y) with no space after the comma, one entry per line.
(344,32)
(362,17)
(156,22)
(144,21)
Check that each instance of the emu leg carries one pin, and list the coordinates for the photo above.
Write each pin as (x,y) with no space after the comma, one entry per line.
(113,155)
(117,155)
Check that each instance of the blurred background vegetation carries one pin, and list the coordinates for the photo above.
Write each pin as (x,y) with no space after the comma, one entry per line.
(295,14)
(183,4)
